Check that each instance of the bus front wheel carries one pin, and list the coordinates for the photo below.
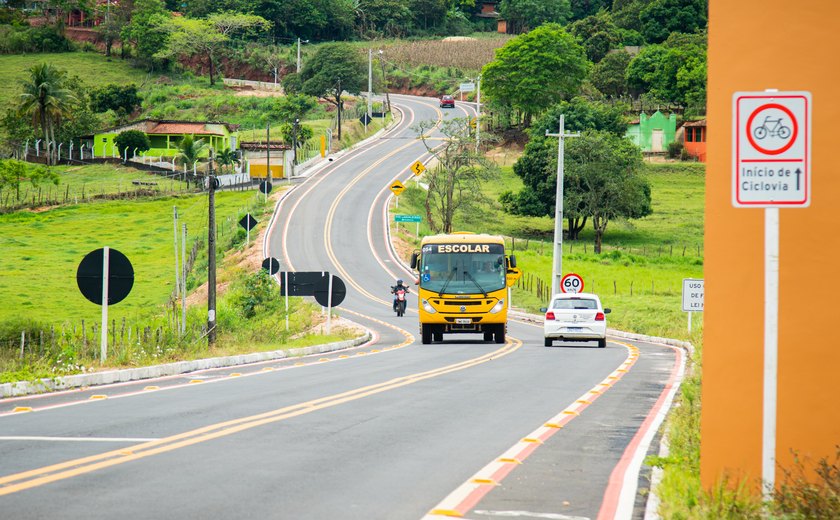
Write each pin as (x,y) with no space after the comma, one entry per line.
(426,333)
(500,333)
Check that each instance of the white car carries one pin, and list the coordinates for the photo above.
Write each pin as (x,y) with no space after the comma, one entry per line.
(576,317)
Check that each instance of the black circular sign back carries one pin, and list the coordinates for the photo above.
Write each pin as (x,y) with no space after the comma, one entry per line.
(339,291)
(120,276)
(271,264)
(265,187)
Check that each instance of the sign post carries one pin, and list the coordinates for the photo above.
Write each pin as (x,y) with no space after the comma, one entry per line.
(410,218)
(693,295)
(771,133)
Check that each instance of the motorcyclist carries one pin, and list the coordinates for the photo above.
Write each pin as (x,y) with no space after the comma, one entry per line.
(395,288)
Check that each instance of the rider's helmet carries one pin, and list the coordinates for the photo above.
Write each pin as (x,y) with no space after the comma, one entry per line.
(399,281)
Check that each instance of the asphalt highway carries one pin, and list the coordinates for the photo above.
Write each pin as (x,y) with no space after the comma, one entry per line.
(389,430)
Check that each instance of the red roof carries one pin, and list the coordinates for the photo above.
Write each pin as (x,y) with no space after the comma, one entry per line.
(180,128)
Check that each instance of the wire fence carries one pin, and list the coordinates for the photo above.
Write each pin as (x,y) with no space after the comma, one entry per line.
(542,247)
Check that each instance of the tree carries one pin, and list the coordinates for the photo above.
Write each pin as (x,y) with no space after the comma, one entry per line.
(537,167)
(122,99)
(132,140)
(309,19)
(227,157)
(204,38)
(524,15)
(147,30)
(13,173)
(583,8)
(674,71)
(384,17)
(663,17)
(334,68)
(47,100)
(293,106)
(536,70)
(190,150)
(608,75)
(304,133)
(455,183)
(608,169)
(598,35)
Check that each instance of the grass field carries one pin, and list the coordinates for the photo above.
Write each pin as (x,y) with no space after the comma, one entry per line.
(638,275)
(91,68)
(42,250)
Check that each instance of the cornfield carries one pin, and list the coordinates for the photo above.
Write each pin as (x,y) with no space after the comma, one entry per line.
(468,55)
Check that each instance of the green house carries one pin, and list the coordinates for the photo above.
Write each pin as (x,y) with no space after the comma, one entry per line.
(653,133)
(165,136)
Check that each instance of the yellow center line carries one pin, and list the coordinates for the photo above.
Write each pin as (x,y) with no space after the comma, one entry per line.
(38,477)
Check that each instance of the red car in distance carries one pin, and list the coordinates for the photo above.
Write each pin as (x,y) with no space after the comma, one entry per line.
(447,102)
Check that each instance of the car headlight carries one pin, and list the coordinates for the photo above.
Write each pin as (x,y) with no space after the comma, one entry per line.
(498,307)
(428,307)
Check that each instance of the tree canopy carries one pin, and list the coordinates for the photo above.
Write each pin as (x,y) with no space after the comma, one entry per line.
(524,15)
(335,68)
(536,70)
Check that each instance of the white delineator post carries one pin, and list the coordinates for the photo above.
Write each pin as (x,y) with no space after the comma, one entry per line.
(329,303)
(286,290)
(557,271)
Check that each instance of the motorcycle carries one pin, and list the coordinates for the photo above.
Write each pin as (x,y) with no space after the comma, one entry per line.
(401,301)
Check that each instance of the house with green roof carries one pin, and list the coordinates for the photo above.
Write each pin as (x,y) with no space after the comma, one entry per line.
(653,133)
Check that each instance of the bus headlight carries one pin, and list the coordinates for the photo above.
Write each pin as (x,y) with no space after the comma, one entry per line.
(498,307)
(428,307)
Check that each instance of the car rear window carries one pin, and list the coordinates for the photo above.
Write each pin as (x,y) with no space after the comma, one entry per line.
(577,303)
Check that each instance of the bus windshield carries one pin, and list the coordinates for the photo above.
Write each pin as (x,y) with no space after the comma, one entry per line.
(462,268)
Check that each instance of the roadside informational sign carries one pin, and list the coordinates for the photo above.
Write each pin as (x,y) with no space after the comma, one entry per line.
(467,87)
(771,149)
(692,295)
(571,283)
(408,218)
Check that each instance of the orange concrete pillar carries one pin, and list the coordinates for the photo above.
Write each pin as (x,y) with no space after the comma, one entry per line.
(755,45)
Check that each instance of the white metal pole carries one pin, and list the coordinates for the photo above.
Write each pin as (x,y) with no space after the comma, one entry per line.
(103,344)
(557,273)
(184,280)
(689,322)
(417,231)
(329,303)
(298,58)
(478,114)
(177,263)
(370,86)
(771,348)
(286,290)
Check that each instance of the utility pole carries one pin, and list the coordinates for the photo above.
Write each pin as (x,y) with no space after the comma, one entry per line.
(557,273)
(370,86)
(211,256)
(478,114)
(294,145)
(267,156)
(384,81)
(298,55)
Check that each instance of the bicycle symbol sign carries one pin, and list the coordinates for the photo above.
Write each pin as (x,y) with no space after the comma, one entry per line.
(772,129)
(771,149)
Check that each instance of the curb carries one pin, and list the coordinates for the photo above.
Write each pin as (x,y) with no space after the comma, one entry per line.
(21,388)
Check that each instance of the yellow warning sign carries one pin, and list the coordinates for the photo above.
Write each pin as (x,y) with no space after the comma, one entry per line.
(512,275)
(418,168)
(397,187)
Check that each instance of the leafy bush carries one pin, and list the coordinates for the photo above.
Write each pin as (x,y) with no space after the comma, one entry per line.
(131,140)
(119,98)
(803,497)
(675,149)
(23,39)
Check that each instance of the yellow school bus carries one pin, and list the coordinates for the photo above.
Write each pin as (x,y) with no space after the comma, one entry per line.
(463,279)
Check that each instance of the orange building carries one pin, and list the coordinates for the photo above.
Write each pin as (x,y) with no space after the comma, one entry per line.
(694,139)
(756,45)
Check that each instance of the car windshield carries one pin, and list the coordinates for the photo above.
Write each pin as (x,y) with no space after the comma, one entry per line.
(462,268)
(574,303)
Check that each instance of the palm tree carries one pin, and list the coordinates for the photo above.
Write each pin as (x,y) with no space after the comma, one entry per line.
(46,99)
(190,149)
(227,157)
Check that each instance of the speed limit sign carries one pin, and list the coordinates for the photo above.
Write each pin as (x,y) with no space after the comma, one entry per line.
(571,283)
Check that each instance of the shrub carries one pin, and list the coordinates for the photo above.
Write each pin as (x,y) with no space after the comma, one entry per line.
(131,139)
(675,149)
(802,497)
